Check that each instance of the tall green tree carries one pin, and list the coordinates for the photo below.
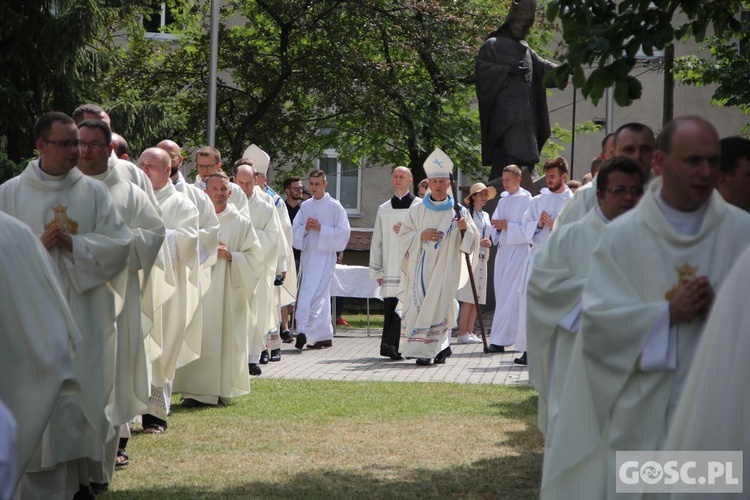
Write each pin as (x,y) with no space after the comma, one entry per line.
(53,54)
(607,34)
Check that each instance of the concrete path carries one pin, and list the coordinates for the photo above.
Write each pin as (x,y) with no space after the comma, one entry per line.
(355,356)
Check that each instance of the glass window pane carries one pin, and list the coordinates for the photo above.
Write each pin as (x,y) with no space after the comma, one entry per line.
(349,185)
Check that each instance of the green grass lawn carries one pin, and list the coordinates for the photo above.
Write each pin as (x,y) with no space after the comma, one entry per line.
(324,439)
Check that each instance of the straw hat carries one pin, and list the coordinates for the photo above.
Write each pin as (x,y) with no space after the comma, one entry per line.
(475,188)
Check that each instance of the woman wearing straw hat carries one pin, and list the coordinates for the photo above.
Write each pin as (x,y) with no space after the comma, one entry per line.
(479,195)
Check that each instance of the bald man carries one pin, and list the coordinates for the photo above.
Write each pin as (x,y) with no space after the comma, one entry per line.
(385,266)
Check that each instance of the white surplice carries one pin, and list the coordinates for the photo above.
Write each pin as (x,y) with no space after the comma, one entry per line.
(317,263)
(221,370)
(554,292)
(385,255)
(628,365)
(712,413)
(510,270)
(549,202)
(88,278)
(432,276)
(38,337)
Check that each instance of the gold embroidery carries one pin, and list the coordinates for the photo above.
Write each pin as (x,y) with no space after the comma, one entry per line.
(61,219)
(686,272)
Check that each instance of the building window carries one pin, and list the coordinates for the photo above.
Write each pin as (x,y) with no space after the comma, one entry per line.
(344,181)
(158,22)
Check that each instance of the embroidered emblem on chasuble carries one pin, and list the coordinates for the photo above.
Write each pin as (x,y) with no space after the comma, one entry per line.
(686,272)
(61,219)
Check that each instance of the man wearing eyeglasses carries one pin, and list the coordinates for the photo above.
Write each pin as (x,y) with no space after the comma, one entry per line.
(87,240)
(632,140)
(132,387)
(208,162)
(651,285)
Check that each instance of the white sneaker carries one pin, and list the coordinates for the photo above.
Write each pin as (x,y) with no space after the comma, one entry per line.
(476,339)
(467,338)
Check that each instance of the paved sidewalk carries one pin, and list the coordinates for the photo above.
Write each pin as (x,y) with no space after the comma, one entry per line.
(355,356)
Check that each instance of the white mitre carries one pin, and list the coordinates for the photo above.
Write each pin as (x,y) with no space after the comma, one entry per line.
(438,165)
(260,158)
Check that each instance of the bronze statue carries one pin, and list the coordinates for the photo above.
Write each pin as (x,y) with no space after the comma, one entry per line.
(511,93)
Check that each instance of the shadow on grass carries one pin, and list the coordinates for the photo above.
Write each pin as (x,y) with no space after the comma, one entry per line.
(513,477)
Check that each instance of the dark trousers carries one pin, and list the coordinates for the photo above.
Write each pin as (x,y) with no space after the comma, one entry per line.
(391,323)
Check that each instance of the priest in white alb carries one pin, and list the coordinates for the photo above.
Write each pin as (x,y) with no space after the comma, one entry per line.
(321,228)
(132,385)
(386,257)
(650,287)
(556,284)
(180,218)
(89,243)
(35,359)
(208,162)
(433,240)
(220,373)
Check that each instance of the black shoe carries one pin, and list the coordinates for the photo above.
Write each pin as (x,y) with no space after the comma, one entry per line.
(522,360)
(276,355)
(443,355)
(193,403)
(254,369)
(495,348)
(264,358)
(301,341)
(98,488)
(389,351)
(84,493)
(424,361)
(286,337)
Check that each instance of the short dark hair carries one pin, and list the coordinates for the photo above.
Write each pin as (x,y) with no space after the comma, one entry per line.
(291,180)
(317,173)
(219,174)
(618,164)
(596,164)
(101,125)
(664,142)
(209,151)
(87,108)
(557,162)
(44,123)
(733,149)
(634,127)
(121,145)
(606,138)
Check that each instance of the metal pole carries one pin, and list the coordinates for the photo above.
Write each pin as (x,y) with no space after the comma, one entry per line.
(609,110)
(213,64)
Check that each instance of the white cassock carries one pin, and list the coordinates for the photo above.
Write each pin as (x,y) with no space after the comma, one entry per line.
(580,204)
(38,337)
(130,172)
(236,197)
(90,278)
(208,244)
(479,265)
(263,302)
(132,385)
(629,365)
(317,263)
(221,371)
(180,218)
(432,276)
(510,270)
(554,299)
(713,414)
(385,255)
